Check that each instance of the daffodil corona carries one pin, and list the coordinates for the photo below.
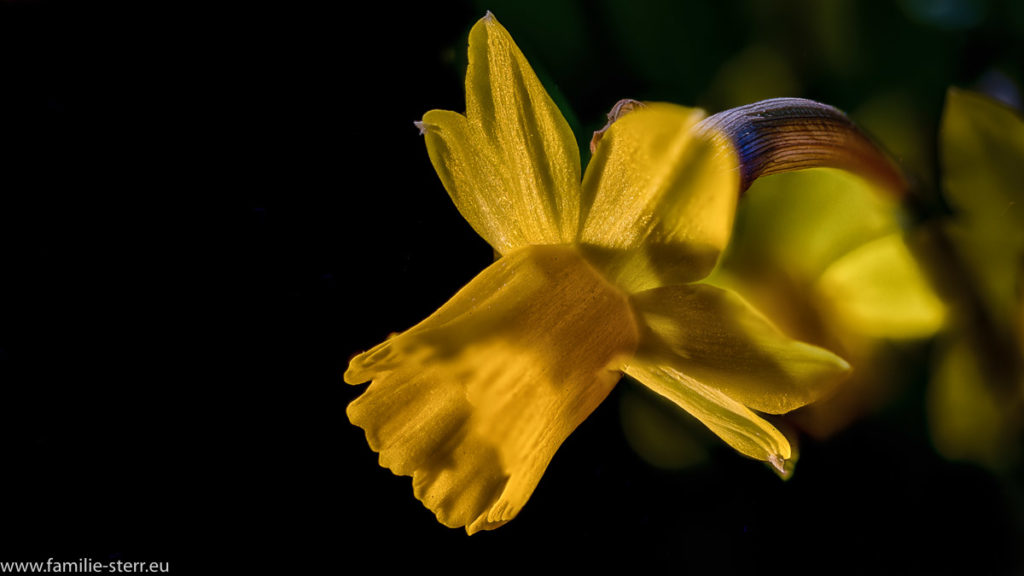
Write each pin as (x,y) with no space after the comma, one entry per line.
(596,277)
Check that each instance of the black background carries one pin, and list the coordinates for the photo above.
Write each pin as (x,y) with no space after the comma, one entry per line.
(207,209)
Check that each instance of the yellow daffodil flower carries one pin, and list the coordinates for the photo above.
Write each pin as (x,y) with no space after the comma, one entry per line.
(596,278)
(976,400)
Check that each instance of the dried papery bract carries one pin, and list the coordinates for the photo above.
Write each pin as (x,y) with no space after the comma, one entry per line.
(788,134)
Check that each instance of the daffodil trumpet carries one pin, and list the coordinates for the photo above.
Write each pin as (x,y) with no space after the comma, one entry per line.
(598,275)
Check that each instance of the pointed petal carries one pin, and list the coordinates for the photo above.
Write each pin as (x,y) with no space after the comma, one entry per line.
(714,336)
(878,290)
(511,164)
(658,190)
(474,401)
(733,422)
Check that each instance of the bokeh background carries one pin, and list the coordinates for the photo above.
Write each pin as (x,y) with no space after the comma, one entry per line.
(208,209)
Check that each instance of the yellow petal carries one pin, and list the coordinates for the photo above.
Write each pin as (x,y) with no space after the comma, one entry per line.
(878,290)
(474,401)
(982,148)
(714,336)
(982,145)
(797,224)
(658,191)
(968,419)
(511,164)
(730,420)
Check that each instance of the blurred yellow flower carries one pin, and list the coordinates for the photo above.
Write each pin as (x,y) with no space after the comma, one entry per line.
(976,400)
(822,253)
(595,278)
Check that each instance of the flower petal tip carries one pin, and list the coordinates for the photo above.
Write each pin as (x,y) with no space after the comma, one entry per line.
(353,376)
(844,367)
(779,466)
(841,368)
